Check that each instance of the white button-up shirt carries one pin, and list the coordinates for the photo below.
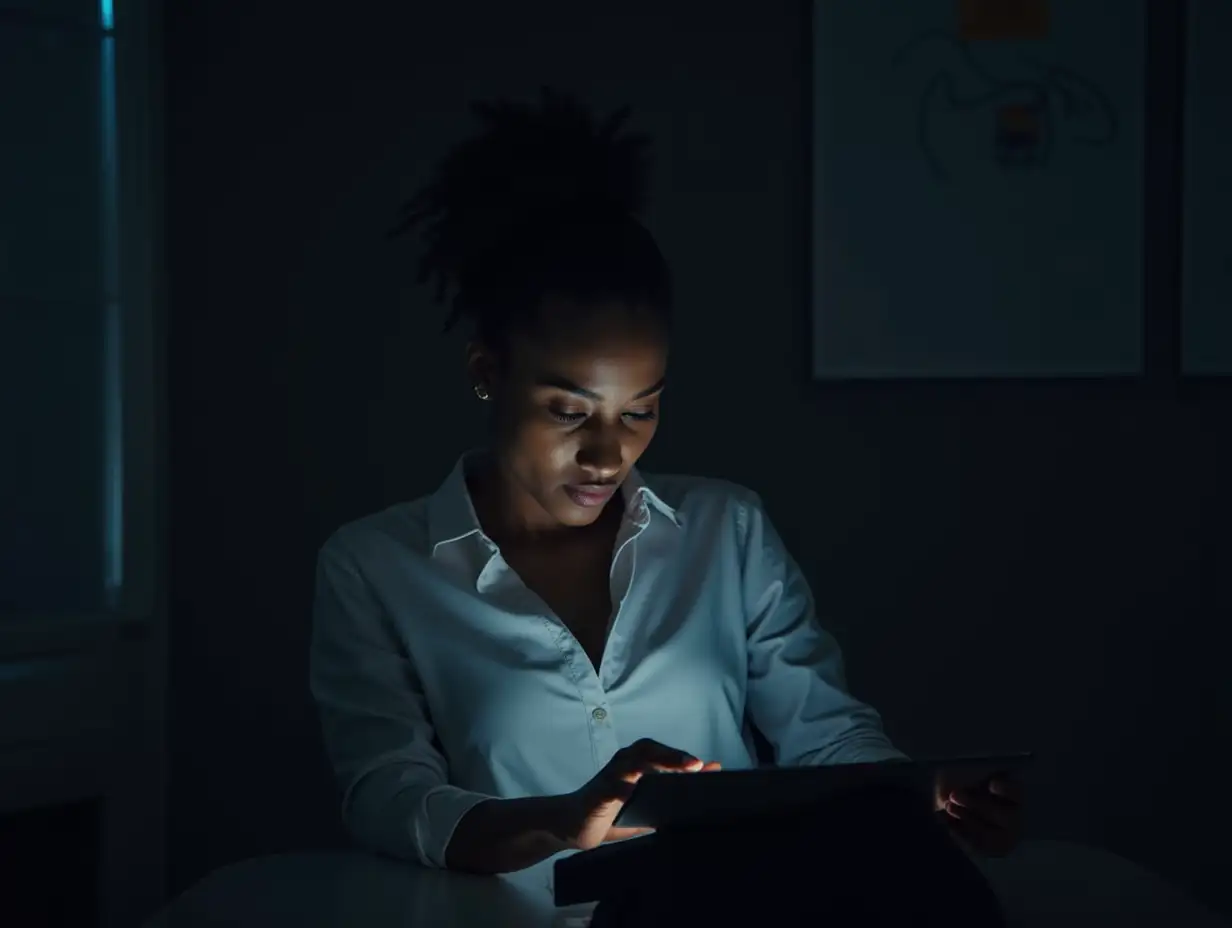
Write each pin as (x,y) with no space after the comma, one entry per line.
(442,680)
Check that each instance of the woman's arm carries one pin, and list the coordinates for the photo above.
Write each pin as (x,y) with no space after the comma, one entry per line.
(396,793)
(397,798)
(797,693)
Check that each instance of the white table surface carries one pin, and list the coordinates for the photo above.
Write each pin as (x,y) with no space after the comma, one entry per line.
(1046,883)
(356,890)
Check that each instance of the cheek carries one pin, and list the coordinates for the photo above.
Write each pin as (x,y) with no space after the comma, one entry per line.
(643,436)
(637,442)
(540,450)
(560,451)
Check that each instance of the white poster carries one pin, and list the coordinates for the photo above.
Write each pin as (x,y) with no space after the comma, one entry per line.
(977,188)
(1206,305)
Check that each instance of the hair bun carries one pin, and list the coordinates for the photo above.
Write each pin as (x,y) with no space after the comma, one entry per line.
(558,158)
(528,166)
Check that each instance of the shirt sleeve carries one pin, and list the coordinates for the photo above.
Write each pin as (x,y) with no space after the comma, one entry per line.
(395,782)
(797,691)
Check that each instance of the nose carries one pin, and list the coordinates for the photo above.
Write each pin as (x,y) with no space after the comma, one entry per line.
(600,454)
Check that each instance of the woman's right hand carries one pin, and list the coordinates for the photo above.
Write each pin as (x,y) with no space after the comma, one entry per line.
(592,809)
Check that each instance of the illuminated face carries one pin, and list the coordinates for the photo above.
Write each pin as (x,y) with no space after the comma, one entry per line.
(577,403)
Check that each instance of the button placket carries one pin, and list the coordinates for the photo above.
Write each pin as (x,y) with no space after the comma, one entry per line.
(623,575)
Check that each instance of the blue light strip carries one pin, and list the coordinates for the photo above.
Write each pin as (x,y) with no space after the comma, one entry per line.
(106,14)
(113,361)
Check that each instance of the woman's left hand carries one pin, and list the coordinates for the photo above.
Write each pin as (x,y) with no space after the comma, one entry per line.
(987,816)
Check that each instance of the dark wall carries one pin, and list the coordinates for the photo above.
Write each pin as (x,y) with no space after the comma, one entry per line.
(1007,564)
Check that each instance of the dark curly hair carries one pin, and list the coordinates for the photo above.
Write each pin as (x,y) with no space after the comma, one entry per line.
(543,202)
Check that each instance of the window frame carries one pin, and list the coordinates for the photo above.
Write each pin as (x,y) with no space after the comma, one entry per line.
(140,391)
(55,665)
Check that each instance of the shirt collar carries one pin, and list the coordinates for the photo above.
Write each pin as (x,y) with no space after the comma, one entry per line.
(451,515)
(639,497)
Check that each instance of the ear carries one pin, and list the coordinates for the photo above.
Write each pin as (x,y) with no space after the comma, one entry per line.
(481,365)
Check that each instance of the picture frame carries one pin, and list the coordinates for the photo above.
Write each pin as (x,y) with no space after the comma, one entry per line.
(977,193)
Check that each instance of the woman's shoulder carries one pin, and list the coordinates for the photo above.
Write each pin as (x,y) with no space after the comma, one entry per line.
(401,528)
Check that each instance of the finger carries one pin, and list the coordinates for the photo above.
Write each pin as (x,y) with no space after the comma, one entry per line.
(631,774)
(647,753)
(984,795)
(698,767)
(992,827)
(620,834)
(620,786)
(979,805)
(1006,788)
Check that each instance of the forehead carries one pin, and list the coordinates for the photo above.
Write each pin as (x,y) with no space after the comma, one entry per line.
(606,341)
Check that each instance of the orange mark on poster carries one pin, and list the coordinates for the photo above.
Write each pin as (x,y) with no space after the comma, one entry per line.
(991,20)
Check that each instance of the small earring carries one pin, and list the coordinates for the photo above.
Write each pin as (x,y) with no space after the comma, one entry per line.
(482,392)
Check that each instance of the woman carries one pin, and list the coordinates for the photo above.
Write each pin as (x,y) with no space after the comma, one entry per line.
(497,663)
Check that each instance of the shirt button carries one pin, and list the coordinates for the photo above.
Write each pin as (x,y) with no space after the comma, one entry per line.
(599,714)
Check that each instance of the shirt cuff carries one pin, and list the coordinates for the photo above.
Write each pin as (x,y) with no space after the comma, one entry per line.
(439,813)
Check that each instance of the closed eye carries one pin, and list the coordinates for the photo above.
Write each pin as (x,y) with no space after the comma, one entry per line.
(572,418)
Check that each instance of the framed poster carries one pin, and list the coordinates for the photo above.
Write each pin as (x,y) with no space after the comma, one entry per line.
(977,188)
(1206,300)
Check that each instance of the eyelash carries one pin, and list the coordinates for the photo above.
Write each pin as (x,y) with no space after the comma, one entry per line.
(570,418)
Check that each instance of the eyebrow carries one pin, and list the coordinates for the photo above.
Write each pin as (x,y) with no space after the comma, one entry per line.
(564,383)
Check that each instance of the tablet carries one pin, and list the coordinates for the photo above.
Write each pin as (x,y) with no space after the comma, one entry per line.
(662,800)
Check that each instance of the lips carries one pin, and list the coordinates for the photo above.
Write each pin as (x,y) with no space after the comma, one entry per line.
(589,494)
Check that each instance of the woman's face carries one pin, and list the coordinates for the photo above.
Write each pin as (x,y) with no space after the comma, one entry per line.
(576,404)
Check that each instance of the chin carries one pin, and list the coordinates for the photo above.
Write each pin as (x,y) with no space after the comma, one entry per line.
(576,516)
